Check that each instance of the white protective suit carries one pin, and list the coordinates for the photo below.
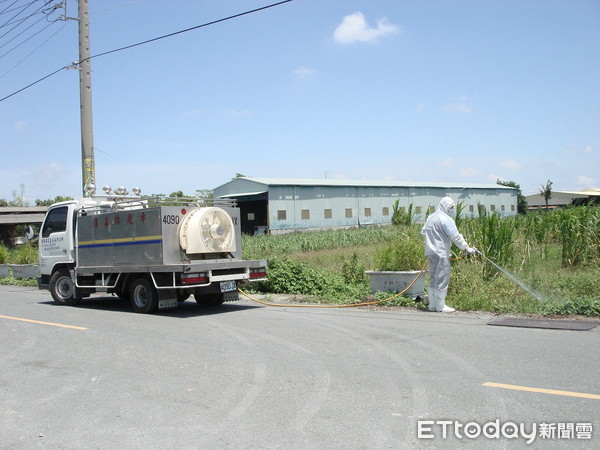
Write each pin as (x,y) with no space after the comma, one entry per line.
(439,232)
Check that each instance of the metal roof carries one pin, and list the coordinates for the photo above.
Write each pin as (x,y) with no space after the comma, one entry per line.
(242,194)
(367,183)
(560,197)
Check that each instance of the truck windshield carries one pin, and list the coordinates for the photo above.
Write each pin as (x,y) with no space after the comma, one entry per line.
(56,221)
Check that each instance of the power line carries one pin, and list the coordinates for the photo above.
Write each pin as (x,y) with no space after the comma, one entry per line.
(29,38)
(33,51)
(24,31)
(188,29)
(20,21)
(6,9)
(34,83)
(147,42)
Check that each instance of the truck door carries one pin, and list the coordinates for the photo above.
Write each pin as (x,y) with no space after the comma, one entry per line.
(57,238)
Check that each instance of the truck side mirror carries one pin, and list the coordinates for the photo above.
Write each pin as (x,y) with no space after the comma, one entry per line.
(29,232)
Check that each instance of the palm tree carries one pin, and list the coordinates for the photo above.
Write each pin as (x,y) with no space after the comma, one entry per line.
(546,192)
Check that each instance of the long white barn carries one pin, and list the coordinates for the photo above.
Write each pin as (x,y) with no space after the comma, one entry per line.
(280,205)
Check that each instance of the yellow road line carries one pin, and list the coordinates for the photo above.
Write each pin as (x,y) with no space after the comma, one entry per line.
(44,323)
(542,391)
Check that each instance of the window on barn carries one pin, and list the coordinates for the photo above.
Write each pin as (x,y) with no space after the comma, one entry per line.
(250,216)
(492,207)
(501,207)
(417,209)
(348,212)
(367,212)
(512,207)
(305,214)
(281,214)
(328,214)
(471,208)
(386,211)
(431,209)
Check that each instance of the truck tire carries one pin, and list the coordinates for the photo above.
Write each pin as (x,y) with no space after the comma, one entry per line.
(209,299)
(63,289)
(144,298)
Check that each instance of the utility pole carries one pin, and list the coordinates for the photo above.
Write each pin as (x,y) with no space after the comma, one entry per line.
(85,96)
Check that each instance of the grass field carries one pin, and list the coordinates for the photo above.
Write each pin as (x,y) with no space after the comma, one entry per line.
(537,258)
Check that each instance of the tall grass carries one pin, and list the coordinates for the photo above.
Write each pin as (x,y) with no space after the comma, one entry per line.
(22,254)
(578,231)
(264,246)
(404,252)
(4,254)
(556,254)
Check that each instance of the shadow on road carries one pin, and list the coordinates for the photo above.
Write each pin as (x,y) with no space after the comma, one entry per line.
(183,310)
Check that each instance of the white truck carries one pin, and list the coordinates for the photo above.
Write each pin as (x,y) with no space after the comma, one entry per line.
(155,252)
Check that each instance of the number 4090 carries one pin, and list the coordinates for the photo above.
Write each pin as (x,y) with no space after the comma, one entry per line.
(172,219)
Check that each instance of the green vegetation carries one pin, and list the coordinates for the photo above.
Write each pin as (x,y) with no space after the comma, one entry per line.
(556,253)
(404,252)
(12,281)
(22,254)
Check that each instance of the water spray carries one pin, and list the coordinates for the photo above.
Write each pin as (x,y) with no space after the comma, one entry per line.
(513,278)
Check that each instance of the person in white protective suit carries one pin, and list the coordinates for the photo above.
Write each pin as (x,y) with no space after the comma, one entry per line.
(439,232)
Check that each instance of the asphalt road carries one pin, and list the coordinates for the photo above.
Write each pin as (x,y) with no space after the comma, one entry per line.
(246,375)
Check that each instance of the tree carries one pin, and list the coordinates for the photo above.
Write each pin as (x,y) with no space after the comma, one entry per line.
(521,200)
(18,197)
(546,192)
(57,199)
(206,194)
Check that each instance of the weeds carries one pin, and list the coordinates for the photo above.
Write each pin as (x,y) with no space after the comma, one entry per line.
(22,254)
(404,253)
(530,245)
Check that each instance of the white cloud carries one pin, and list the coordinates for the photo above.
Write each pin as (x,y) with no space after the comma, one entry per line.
(587,182)
(354,27)
(338,176)
(48,173)
(587,150)
(457,105)
(236,114)
(511,164)
(303,72)
(190,113)
(469,172)
(421,107)
(20,126)
(448,162)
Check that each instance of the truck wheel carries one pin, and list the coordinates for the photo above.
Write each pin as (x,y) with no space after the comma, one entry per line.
(209,299)
(144,298)
(63,289)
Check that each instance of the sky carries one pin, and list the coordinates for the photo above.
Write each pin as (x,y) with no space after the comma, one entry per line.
(460,91)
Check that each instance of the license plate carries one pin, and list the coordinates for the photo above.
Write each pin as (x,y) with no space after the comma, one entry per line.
(167,303)
(228,286)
